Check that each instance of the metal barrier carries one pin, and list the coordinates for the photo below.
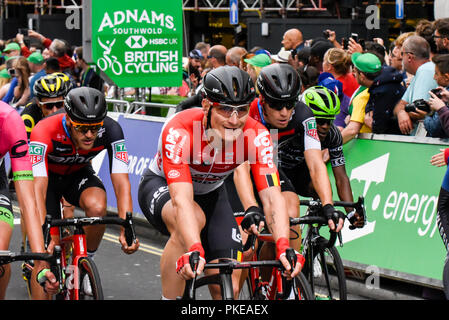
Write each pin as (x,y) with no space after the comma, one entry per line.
(135,107)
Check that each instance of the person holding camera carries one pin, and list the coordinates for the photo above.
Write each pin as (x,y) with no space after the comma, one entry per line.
(416,60)
(439,97)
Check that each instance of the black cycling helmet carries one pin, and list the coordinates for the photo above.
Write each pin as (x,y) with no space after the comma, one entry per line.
(228,85)
(50,86)
(85,105)
(279,83)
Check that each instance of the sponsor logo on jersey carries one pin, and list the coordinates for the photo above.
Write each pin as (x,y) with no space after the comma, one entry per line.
(263,142)
(311,129)
(37,152)
(173,174)
(120,152)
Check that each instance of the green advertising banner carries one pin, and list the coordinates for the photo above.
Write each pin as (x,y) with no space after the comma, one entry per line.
(138,43)
(401,190)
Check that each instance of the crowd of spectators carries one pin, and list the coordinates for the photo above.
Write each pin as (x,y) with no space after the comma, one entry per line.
(381,90)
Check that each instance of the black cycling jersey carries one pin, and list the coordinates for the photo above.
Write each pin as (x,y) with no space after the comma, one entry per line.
(31,115)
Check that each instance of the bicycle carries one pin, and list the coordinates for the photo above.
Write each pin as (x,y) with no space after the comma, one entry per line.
(280,286)
(324,267)
(81,279)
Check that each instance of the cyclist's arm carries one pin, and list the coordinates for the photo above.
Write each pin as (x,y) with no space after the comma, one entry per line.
(40,190)
(244,186)
(343,185)
(318,175)
(275,212)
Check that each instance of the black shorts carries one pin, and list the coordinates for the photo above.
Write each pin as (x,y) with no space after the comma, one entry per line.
(220,237)
(70,187)
(300,180)
(237,207)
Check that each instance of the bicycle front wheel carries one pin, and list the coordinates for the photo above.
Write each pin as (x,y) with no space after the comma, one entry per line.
(446,277)
(326,274)
(304,290)
(88,282)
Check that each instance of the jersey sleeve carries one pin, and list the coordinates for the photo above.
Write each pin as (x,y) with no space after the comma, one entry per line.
(40,147)
(263,168)
(15,136)
(117,152)
(175,152)
(336,155)
(311,138)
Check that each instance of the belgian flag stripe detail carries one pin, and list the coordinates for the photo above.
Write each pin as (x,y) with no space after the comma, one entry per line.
(272,180)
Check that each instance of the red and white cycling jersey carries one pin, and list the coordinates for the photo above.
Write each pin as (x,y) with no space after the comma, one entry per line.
(184,154)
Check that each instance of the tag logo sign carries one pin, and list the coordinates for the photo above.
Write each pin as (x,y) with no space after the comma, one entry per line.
(311,129)
(120,152)
(37,153)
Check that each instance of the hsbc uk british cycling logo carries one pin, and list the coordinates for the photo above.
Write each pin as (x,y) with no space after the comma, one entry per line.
(136,42)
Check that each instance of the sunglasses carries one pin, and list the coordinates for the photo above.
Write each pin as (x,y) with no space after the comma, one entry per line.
(322,121)
(227,110)
(86,127)
(281,105)
(52,104)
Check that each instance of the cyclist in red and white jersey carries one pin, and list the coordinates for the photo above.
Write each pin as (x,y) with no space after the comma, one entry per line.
(182,193)
(14,140)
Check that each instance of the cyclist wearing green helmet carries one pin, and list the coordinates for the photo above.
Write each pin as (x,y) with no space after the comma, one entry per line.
(325,105)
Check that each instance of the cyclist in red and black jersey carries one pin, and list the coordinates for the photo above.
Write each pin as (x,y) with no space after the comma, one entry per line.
(62,147)
(182,193)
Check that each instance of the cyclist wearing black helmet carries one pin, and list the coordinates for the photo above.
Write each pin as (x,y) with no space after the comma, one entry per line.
(297,138)
(62,147)
(182,193)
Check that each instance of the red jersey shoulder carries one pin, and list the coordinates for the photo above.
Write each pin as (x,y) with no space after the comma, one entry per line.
(49,128)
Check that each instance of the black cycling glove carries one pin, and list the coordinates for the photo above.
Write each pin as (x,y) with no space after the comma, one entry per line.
(253,215)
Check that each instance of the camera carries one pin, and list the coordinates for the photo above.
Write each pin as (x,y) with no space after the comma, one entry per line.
(420,104)
(23,31)
(355,37)
(294,53)
(437,92)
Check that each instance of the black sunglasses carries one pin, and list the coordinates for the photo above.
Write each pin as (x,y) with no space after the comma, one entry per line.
(322,121)
(50,105)
(281,105)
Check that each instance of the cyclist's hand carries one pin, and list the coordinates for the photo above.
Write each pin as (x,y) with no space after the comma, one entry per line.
(356,219)
(46,278)
(183,267)
(284,253)
(333,217)
(253,220)
(125,248)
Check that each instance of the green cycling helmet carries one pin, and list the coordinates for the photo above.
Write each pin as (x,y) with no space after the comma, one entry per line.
(323,102)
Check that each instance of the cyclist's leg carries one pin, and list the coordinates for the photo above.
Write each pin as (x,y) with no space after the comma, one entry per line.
(154,200)
(6,228)
(221,236)
(87,191)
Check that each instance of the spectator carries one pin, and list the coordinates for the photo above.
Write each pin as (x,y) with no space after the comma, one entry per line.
(12,49)
(234,55)
(317,52)
(338,62)
(7,91)
(37,67)
(301,59)
(216,56)
(415,58)
(282,56)
(22,90)
(195,59)
(426,29)
(309,77)
(441,35)
(88,75)
(327,80)
(440,104)
(5,80)
(204,48)
(293,40)
(52,65)
(243,64)
(367,67)
(384,93)
(255,64)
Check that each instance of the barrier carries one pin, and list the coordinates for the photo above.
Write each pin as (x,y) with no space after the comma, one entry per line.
(401,239)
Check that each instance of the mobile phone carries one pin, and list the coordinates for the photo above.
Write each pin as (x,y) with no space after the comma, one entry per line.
(355,36)
(23,31)
(345,43)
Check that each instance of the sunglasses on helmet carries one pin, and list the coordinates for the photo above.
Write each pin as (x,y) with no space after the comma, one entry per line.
(52,104)
(85,127)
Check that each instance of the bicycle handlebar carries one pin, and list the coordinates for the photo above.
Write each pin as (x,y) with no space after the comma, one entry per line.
(7,256)
(127,223)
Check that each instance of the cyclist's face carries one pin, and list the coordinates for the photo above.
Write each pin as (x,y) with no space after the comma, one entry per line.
(277,118)
(323,126)
(83,140)
(51,105)
(227,123)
